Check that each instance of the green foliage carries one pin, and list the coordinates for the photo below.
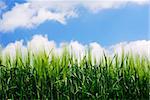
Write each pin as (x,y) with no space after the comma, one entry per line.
(47,76)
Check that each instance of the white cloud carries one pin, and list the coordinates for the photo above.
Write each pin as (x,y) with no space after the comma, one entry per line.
(97,51)
(40,43)
(34,12)
(29,15)
(97,5)
(136,47)
(78,49)
(12,48)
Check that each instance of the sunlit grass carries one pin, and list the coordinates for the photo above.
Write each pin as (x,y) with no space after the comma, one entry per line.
(42,75)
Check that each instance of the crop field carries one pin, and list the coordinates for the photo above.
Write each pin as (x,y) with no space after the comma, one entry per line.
(49,76)
(74,50)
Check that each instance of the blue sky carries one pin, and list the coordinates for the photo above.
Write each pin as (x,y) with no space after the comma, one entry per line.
(107,26)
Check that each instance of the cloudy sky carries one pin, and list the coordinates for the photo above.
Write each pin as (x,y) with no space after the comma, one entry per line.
(97,23)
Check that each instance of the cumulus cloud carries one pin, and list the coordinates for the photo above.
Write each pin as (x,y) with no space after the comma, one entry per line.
(29,15)
(78,49)
(12,48)
(97,50)
(136,47)
(34,12)
(41,43)
(107,4)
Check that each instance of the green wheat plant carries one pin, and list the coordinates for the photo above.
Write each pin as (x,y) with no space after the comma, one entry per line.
(49,76)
